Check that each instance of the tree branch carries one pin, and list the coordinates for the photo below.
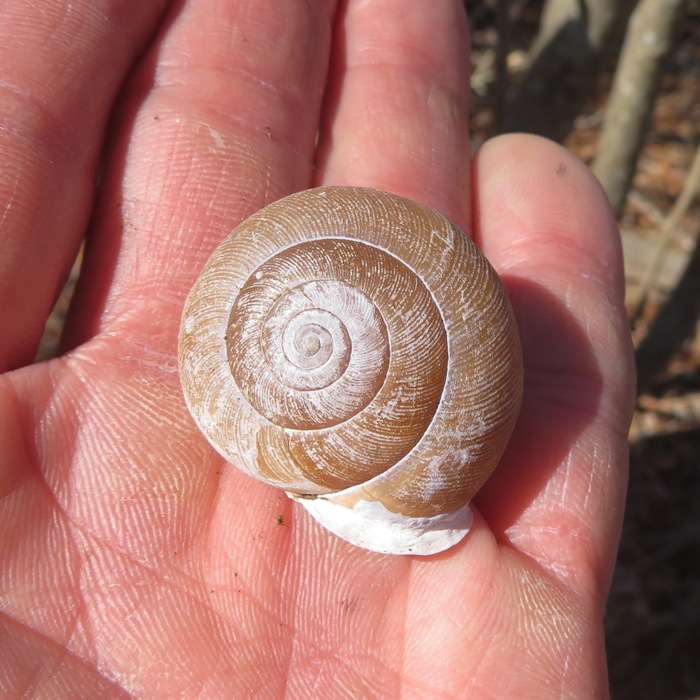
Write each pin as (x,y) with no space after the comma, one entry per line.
(648,40)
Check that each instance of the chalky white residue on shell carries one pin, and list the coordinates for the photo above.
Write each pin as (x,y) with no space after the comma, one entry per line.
(371,526)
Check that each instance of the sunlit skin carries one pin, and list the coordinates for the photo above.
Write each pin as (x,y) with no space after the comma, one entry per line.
(133,561)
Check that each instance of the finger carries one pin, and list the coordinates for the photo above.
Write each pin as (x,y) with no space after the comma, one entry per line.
(396,115)
(219,120)
(61,65)
(544,222)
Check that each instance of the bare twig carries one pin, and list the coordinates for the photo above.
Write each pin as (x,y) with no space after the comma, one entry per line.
(648,40)
(680,207)
(645,206)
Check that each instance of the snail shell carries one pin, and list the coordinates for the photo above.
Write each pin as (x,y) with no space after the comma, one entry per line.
(356,350)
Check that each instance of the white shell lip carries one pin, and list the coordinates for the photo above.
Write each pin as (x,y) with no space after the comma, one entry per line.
(371,526)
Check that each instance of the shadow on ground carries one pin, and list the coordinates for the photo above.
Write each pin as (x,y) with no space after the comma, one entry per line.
(653,620)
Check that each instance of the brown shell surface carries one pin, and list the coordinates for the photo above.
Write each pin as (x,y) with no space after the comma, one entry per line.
(347,342)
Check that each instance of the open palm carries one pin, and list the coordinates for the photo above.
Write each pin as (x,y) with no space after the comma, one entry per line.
(133,561)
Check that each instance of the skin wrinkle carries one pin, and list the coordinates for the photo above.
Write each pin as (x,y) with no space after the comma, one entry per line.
(616,406)
(307,647)
(401,660)
(478,657)
(238,588)
(47,132)
(511,540)
(183,59)
(531,635)
(85,637)
(616,412)
(399,81)
(246,119)
(411,51)
(378,679)
(68,565)
(168,584)
(286,642)
(621,406)
(187,172)
(583,453)
(590,478)
(62,378)
(72,631)
(298,644)
(272,581)
(276,574)
(393,669)
(418,79)
(123,310)
(494,639)
(542,550)
(444,104)
(155,301)
(442,637)
(36,456)
(87,535)
(66,653)
(564,571)
(15,411)
(12,202)
(190,76)
(406,145)
(321,658)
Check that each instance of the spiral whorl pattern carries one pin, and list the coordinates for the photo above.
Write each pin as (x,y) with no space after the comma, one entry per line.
(353,344)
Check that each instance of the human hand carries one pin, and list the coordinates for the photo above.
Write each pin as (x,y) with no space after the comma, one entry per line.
(132,560)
